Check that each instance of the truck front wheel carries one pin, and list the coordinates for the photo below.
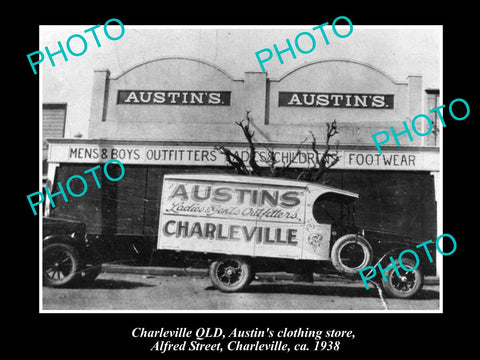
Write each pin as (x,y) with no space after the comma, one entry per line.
(407,284)
(230,274)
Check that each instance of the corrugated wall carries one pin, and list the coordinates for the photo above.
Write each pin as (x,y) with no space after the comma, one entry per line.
(54,120)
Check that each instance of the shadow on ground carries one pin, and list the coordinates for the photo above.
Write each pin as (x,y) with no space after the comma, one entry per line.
(327,290)
(114,284)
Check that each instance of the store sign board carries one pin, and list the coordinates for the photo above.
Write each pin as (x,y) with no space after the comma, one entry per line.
(335,100)
(173,97)
(206,156)
(247,218)
(254,202)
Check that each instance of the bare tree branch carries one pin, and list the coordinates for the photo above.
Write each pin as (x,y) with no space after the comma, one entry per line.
(286,166)
(271,161)
(326,156)
(335,157)
(234,160)
(323,161)
(245,125)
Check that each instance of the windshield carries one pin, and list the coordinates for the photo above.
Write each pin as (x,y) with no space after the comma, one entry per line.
(335,209)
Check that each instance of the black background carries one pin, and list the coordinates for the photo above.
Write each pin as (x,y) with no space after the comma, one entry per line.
(377,335)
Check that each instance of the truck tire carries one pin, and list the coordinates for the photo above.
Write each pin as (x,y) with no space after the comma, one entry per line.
(230,274)
(350,254)
(407,285)
(61,265)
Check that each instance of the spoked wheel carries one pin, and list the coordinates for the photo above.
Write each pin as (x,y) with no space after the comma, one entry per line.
(407,284)
(61,264)
(230,274)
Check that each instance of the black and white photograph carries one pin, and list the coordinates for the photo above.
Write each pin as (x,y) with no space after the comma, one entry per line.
(242,168)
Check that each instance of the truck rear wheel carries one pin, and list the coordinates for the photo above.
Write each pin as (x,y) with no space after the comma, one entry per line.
(230,274)
(407,284)
(61,265)
(350,254)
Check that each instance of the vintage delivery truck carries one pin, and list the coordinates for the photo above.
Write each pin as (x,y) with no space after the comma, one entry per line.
(246,224)
(240,225)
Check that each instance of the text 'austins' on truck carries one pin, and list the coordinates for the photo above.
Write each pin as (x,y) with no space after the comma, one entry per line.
(241,225)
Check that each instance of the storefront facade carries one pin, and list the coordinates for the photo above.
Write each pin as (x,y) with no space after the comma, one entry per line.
(166,115)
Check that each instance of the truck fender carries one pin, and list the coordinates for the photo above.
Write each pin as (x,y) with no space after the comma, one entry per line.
(385,258)
(59,238)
